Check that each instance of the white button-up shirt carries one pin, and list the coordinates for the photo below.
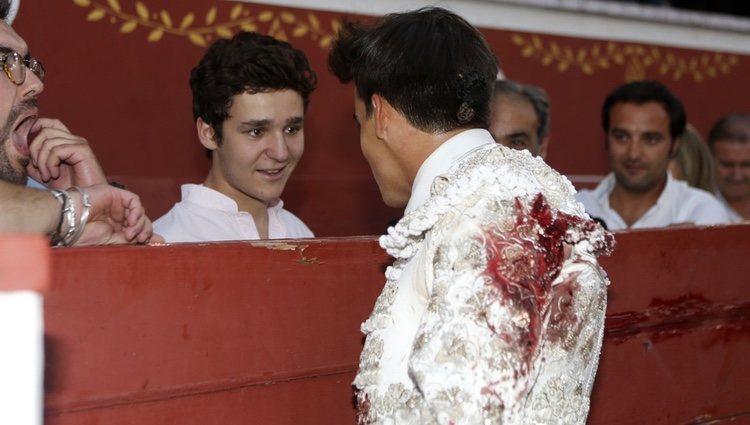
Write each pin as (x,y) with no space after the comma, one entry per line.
(678,203)
(205,215)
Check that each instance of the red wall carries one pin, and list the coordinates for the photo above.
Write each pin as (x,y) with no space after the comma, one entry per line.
(130,98)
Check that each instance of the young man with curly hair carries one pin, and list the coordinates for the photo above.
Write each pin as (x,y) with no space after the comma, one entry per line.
(250,95)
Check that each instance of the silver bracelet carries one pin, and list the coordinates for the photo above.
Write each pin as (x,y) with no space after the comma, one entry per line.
(86,201)
(63,198)
(70,216)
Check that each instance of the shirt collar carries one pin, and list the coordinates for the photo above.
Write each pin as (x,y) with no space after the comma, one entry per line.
(605,188)
(441,160)
(210,198)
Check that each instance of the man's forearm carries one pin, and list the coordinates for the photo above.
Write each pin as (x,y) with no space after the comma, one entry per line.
(24,210)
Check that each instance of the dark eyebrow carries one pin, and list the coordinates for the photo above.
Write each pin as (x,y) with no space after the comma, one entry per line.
(295,120)
(255,123)
(653,133)
(519,133)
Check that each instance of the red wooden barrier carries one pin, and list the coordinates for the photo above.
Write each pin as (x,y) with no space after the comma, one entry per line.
(678,327)
(268,332)
(202,334)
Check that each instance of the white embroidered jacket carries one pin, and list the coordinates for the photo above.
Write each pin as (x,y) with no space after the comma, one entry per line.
(493,312)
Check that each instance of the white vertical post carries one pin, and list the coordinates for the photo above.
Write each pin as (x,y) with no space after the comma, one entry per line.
(21,357)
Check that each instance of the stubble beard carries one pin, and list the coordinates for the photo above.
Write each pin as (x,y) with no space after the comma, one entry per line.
(8,172)
(638,184)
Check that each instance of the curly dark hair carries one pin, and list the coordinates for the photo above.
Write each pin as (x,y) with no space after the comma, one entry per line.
(430,64)
(247,63)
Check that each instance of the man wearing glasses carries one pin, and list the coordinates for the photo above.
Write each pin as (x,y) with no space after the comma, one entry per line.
(45,150)
(40,148)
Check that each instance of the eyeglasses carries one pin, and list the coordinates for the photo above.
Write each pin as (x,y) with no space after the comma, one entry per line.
(15,66)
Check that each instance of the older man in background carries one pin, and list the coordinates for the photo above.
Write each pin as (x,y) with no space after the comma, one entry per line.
(520,117)
(729,140)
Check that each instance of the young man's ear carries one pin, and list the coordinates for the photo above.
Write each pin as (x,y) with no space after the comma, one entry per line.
(206,134)
(381,114)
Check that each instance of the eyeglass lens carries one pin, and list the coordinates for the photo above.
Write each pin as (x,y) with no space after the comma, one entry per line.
(16,67)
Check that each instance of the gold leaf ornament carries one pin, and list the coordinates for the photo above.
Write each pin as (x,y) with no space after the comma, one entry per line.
(236,12)
(568,53)
(288,18)
(187,21)
(128,27)
(141,10)
(96,15)
(164,15)
(335,25)
(211,16)
(537,42)
(325,42)
(160,22)
(636,59)
(115,5)
(155,35)
(197,39)
(314,22)
(224,32)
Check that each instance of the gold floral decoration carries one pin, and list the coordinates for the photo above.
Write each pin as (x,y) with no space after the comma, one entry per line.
(277,24)
(635,58)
